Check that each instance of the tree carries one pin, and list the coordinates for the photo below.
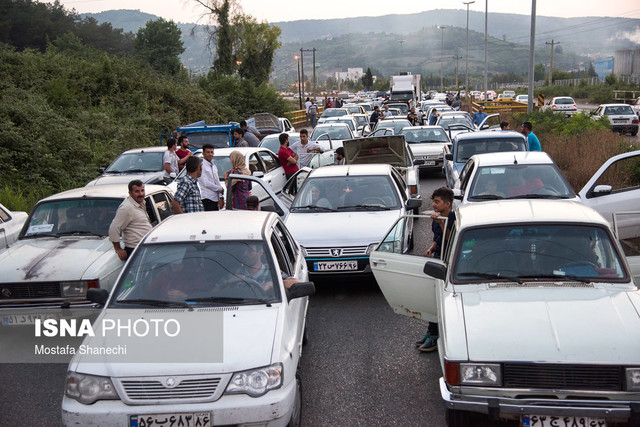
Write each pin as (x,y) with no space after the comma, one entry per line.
(539,72)
(221,13)
(367,79)
(254,45)
(592,71)
(159,44)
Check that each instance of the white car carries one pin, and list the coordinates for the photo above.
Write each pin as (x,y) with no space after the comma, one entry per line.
(144,164)
(349,121)
(233,332)
(509,93)
(427,144)
(340,212)
(285,125)
(10,225)
(390,126)
(272,142)
(522,98)
(455,122)
(64,248)
(623,119)
(331,135)
(521,291)
(332,112)
(562,104)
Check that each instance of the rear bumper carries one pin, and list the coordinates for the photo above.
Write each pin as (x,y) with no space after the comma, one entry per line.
(624,128)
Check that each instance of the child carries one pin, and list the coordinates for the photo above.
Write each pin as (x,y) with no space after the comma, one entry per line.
(442,199)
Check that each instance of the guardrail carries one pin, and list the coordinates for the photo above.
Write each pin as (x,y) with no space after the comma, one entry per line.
(491,107)
(298,118)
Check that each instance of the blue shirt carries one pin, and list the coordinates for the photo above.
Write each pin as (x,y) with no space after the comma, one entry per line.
(478,117)
(534,142)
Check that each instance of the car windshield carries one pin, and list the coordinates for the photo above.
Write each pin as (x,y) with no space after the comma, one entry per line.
(554,252)
(367,107)
(351,193)
(470,147)
(413,136)
(347,122)
(361,119)
(333,112)
(218,139)
(519,181)
(396,125)
(353,109)
(335,132)
(137,162)
(401,96)
(198,273)
(404,108)
(618,109)
(564,101)
(72,217)
(445,122)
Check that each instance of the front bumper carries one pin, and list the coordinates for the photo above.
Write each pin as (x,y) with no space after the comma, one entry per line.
(274,409)
(503,407)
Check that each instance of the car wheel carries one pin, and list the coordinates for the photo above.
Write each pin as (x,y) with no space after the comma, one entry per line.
(296,415)
(634,133)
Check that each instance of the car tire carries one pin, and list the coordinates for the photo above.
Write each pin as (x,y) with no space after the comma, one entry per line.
(634,133)
(296,415)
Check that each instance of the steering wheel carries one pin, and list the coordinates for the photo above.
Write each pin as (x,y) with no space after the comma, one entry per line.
(375,200)
(545,190)
(255,286)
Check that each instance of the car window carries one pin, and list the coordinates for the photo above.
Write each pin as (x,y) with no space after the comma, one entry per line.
(4,215)
(254,164)
(398,239)
(223,164)
(281,255)
(622,175)
(272,143)
(513,181)
(151,212)
(424,135)
(137,162)
(163,205)
(467,148)
(446,256)
(271,162)
(219,139)
(400,183)
(287,241)
(465,174)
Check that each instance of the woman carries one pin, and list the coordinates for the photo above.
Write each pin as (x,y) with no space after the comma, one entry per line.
(240,188)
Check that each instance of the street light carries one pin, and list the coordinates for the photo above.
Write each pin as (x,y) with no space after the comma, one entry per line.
(466,66)
(299,89)
(442,27)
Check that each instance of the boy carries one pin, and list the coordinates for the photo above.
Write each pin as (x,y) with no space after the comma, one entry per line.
(442,199)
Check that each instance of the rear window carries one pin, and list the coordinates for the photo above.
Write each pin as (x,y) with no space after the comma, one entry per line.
(618,110)
(217,139)
(565,101)
(471,147)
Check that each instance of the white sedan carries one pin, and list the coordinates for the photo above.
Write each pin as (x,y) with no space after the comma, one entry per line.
(10,225)
(331,135)
(231,328)
(427,143)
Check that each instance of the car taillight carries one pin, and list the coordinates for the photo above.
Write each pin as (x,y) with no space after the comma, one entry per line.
(554,106)
(414,189)
(452,372)
(635,121)
(575,106)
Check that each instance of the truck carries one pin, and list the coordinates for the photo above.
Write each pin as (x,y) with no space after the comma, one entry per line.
(199,133)
(406,88)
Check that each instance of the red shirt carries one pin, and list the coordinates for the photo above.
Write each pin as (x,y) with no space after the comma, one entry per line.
(181,155)
(283,154)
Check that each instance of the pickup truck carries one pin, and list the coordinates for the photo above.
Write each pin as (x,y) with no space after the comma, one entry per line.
(199,133)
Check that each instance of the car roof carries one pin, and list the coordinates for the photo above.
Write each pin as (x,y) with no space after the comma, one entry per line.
(488,134)
(422,127)
(511,157)
(614,105)
(328,125)
(270,136)
(351,170)
(157,148)
(219,152)
(526,211)
(208,226)
(102,191)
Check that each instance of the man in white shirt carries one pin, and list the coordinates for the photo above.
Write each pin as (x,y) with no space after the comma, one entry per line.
(307,104)
(170,158)
(210,188)
(305,149)
(131,221)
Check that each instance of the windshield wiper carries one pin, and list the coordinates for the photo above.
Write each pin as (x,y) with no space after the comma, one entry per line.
(538,196)
(555,276)
(228,300)
(487,197)
(314,207)
(79,233)
(138,170)
(366,207)
(490,276)
(154,302)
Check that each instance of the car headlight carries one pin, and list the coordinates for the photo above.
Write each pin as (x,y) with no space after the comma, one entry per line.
(78,288)
(88,389)
(633,379)
(486,374)
(371,248)
(256,382)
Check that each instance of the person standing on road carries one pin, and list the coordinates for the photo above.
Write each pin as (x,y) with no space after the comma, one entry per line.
(240,188)
(170,159)
(375,116)
(288,158)
(313,114)
(305,149)
(413,117)
(433,118)
(183,152)
(131,221)
(307,104)
(188,193)
(238,138)
(209,181)
(386,113)
(532,139)
(479,116)
(251,134)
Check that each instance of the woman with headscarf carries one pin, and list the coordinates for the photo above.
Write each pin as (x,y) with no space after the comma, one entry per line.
(240,188)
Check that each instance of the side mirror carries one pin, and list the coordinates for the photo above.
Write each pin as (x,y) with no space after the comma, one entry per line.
(99,296)
(413,204)
(457,194)
(101,170)
(258,174)
(435,269)
(448,156)
(602,190)
(300,289)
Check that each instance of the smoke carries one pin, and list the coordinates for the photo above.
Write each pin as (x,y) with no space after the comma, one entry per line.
(633,36)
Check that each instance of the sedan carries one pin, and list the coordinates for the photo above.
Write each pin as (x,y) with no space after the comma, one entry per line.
(622,118)
(231,307)
(333,112)
(272,142)
(427,143)
(10,225)
(394,124)
(562,104)
(144,164)
(331,135)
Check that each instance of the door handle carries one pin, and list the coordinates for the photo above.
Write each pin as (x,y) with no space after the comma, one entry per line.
(378,262)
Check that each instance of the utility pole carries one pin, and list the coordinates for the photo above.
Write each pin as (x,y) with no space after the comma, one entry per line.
(302,70)
(466,65)
(532,41)
(314,70)
(302,51)
(299,89)
(486,48)
(551,62)
(441,27)
(457,57)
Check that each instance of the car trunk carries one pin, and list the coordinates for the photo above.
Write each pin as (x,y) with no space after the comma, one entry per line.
(390,149)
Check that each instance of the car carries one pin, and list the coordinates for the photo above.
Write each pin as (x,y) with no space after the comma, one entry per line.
(393,124)
(402,106)
(427,144)
(562,104)
(348,120)
(237,345)
(10,225)
(455,122)
(509,93)
(272,142)
(333,112)
(396,113)
(355,108)
(364,127)
(522,98)
(285,125)
(621,116)
(465,145)
(331,135)
(265,124)
(519,294)
(144,164)
(64,248)
(511,175)
(363,199)
(503,97)
(635,106)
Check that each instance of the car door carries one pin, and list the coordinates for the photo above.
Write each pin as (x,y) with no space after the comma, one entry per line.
(491,121)
(290,189)
(274,172)
(615,187)
(629,238)
(400,276)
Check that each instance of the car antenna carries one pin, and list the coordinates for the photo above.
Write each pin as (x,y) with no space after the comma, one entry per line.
(515,161)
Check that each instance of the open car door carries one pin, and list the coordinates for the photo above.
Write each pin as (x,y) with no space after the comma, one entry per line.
(400,273)
(490,122)
(292,186)
(629,237)
(271,201)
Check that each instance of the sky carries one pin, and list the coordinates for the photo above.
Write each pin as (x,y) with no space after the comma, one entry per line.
(188,11)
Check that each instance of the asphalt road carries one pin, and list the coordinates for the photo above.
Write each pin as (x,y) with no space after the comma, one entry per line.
(360,366)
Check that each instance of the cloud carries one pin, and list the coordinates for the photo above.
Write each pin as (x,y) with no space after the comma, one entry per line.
(633,36)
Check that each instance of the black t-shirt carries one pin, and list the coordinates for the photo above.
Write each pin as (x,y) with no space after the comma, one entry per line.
(374,117)
(437,233)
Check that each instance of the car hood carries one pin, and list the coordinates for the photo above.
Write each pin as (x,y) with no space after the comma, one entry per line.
(264,121)
(576,325)
(52,259)
(340,228)
(390,149)
(125,178)
(248,335)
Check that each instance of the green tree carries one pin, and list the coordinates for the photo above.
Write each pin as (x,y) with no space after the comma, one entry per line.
(159,44)
(221,13)
(367,79)
(539,72)
(331,84)
(592,70)
(255,45)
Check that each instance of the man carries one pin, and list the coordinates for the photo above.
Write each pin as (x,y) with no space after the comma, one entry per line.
(339,156)
(251,134)
(532,139)
(238,138)
(170,159)
(313,113)
(433,118)
(479,116)
(386,113)
(188,193)
(413,117)
(253,203)
(504,125)
(209,181)
(307,104)
(288,158)
(183,152)
(375,116)
(305,149)
(131,221)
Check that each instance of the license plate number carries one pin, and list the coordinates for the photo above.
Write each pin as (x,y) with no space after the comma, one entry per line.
(430,163)
(560,421)
(25,319)
(619,120)
(200,419)
(335,265)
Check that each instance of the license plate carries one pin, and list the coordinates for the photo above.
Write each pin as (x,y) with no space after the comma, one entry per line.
(619,120)
(430,163)
(559,421)
(335,265)
(200,419)
(25,319)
